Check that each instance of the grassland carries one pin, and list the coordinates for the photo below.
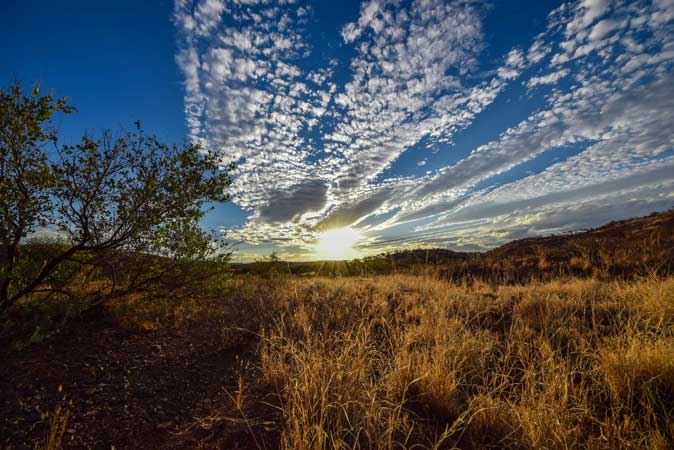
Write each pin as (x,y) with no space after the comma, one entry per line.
(383,362)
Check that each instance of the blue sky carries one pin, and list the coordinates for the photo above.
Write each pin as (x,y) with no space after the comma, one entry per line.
(430,123)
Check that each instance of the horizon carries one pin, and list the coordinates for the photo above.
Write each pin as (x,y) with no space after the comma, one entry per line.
(379,125)
(400,251)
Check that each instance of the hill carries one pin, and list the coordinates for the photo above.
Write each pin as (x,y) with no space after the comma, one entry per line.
(619,248)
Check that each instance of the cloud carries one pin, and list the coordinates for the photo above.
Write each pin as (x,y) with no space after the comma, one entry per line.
(550,78)
(602,29)
(318,144)
(289,204)
(404,85)
(628,125)
(349,213)
(368,11)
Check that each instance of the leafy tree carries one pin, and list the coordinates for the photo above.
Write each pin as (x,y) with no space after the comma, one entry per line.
(129,203)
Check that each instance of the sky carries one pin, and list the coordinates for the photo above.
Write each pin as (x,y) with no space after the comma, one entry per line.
(454,124)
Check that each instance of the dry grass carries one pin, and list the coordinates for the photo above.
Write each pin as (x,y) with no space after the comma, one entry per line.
(56,422)
(413,362)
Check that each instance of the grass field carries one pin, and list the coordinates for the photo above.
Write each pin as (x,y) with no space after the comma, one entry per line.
(386,362)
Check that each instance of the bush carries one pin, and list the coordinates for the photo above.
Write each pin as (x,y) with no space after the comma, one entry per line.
(129,205)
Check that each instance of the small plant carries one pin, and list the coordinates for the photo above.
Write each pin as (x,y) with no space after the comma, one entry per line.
(580,263)
(56,422)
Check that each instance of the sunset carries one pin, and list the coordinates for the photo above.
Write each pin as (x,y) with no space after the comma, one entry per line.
(358,224)
(337,243)
(453,124)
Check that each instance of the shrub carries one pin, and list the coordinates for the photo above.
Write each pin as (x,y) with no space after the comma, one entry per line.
(130,202)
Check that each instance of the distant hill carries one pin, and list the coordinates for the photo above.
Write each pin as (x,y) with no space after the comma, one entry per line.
(626,238)
(618,249)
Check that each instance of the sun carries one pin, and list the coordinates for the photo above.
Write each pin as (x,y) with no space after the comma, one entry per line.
(338,243)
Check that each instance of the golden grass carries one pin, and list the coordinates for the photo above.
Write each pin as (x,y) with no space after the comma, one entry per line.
(414,362)
(56,422)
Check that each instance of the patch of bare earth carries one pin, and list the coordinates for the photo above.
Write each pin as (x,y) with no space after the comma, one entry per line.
(146,387)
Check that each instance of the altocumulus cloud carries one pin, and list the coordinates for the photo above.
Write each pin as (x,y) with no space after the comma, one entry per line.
(328,141)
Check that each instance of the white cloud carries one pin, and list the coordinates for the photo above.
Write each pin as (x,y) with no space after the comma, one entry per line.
(368,12)
(627,122)
(314,152)
(550,78)
(602,29)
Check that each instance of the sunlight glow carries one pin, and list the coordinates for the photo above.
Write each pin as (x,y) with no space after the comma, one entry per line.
(338,243)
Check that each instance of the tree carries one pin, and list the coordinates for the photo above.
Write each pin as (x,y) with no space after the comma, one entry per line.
(129,199)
